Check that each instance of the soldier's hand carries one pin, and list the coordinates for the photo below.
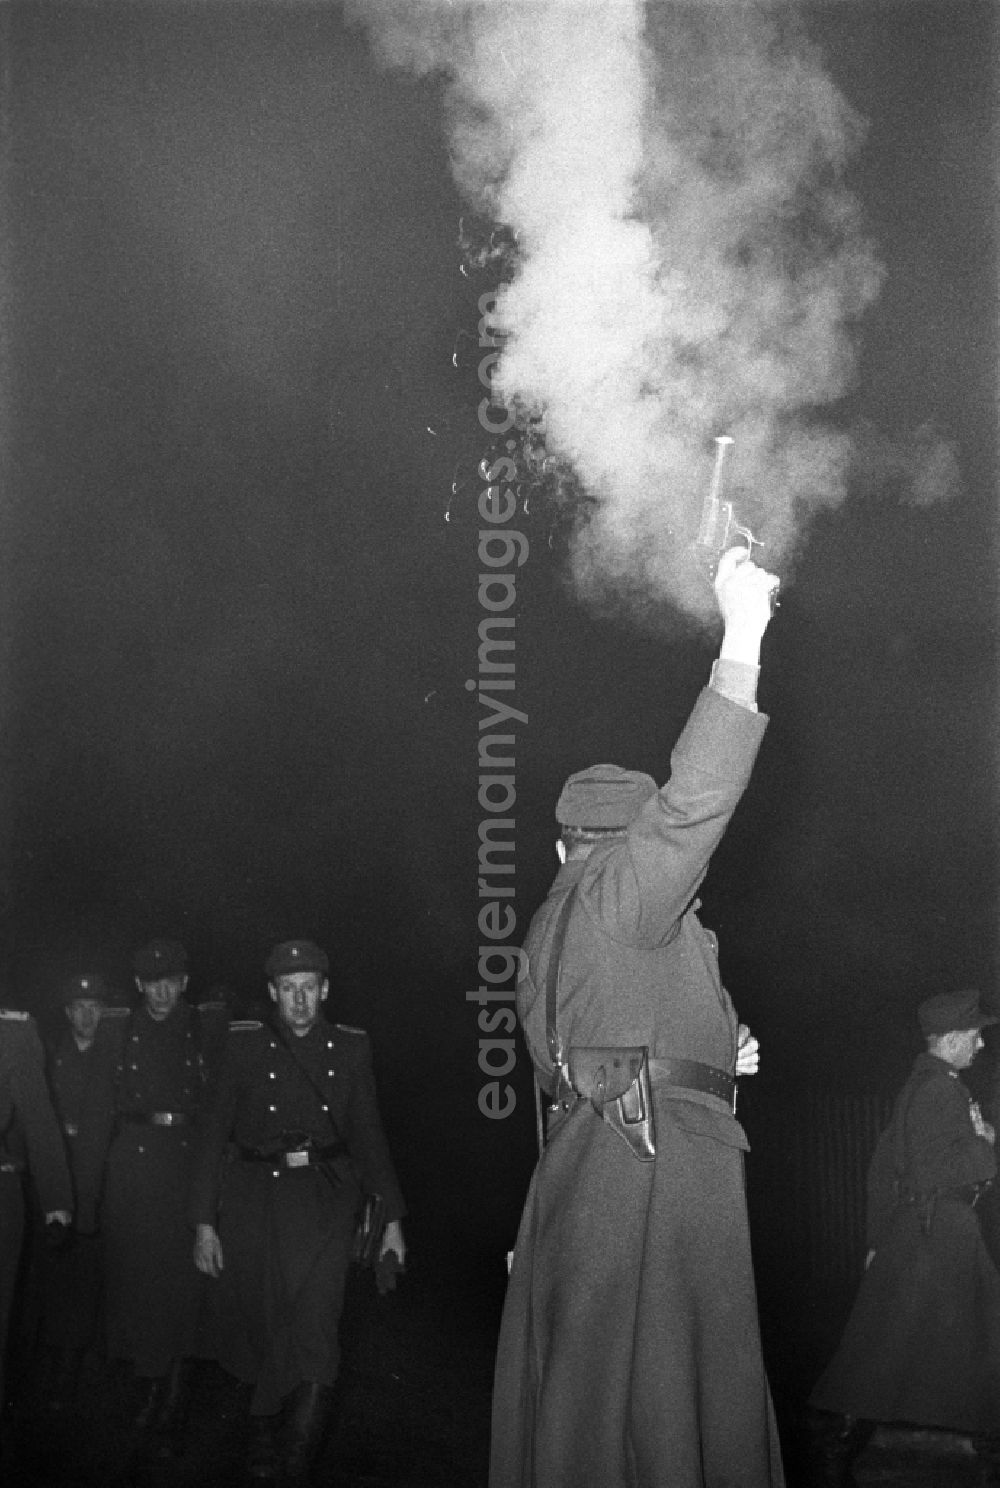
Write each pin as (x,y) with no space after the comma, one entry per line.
(745,593)
(747,1052)
(981,1126)
(392,1239)
(58,1229)
(207,1250)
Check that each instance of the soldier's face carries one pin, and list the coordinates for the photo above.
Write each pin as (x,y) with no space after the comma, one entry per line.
(162,996)
(298,996)
(84,1014)
(965,1045)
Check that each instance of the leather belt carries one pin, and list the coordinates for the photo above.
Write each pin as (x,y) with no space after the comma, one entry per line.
(689,1074)
(156,1118)
(294,1157)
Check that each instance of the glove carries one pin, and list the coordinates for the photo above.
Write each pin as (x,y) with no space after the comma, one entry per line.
(386,1269)
(58,1235)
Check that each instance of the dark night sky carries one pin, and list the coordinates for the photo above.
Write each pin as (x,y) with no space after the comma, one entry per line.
(239,625)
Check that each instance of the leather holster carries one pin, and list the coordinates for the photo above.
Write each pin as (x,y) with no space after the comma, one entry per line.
(616,1082)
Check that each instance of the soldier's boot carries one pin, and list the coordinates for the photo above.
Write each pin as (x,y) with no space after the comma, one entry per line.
(308,1412)
(835,1441)
(262,1460)
(61,1389)
(151,1393)
(988,1453)
(171,1415)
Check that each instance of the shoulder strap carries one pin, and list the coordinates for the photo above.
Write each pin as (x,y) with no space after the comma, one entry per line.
(552,1038)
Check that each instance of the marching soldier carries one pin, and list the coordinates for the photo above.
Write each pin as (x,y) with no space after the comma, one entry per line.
(81,1081)
(922,1343)
(152,1292)
(275,1219)
(24,1098)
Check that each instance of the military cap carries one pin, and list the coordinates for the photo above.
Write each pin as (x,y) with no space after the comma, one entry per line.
(160,958)
(296,955)
(952,1011)
(604,796)
(91,985)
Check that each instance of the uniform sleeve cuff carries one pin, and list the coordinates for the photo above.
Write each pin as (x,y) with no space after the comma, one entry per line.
(735,680)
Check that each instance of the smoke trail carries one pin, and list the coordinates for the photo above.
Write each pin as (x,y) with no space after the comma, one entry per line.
(922,467)
(689,260)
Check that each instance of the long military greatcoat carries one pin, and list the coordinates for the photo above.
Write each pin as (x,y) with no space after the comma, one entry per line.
(922,1343)
(82,1084)
(152,1289)
(24,1096)
(286,1233)
(629,1352)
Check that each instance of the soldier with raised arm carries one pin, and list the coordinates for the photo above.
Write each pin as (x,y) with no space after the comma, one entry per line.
(629,1350)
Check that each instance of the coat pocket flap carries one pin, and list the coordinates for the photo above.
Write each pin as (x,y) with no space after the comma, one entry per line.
(705,1115)
(604,1074)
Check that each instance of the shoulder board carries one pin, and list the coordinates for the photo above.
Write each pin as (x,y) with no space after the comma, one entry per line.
(14,1015)
(244,1025)
(115,1010)
(348,1028)
(209,1007)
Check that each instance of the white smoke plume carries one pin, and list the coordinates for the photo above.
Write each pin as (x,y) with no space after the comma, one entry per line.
(688,259)
(922,468)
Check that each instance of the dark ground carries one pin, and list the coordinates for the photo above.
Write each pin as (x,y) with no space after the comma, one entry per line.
(412,1410)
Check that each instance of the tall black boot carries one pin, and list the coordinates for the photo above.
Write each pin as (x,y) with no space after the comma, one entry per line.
(151,1393)
(988,1453)
(308,1410)
(262,1461)
(171,1415)
(61,1390)
(834,1443)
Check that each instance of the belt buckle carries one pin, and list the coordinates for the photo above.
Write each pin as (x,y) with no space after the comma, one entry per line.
(162,1118)
(298,1159)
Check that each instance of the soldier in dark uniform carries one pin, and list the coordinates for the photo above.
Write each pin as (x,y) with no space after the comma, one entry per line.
(922,1343)
(152,1291)
(275,1218)
(24,1097)
(81,1082)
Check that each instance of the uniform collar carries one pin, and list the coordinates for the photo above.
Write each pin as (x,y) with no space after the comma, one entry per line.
(928,1061)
